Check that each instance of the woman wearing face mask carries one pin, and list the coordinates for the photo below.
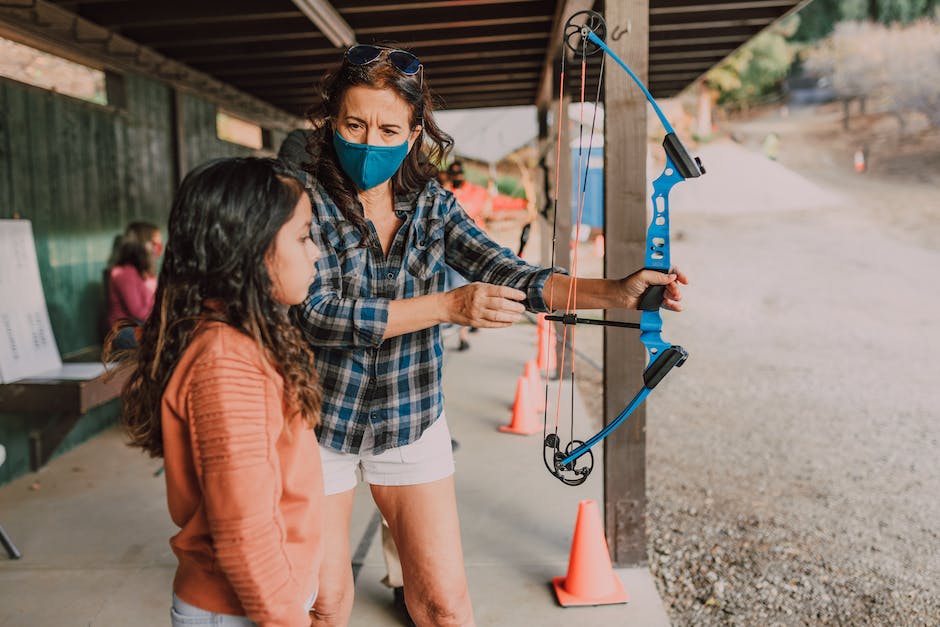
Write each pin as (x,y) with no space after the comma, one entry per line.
(386,229)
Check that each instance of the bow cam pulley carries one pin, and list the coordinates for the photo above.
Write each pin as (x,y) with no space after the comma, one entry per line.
(578,26)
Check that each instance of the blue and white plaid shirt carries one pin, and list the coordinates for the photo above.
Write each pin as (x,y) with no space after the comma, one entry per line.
(394,386)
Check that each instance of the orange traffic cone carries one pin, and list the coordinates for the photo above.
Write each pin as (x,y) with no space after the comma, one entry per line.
(599,246)
(591,579)
(858,160)
(546,353)
(524,421)
(541,326)
(536,389)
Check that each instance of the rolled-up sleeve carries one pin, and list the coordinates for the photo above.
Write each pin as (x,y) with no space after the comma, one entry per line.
(471,252)
(328,319)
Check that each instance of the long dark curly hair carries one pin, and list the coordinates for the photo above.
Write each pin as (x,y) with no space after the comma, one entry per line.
(430,148)
(222,228)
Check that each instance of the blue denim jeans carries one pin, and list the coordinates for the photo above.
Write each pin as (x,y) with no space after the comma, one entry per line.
(182,613)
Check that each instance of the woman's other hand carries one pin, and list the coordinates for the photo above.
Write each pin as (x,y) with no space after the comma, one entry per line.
(484,305)
(636,284)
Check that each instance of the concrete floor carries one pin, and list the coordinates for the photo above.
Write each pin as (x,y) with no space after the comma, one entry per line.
(93,528)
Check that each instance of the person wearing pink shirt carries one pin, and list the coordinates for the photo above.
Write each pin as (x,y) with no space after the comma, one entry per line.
(132,278)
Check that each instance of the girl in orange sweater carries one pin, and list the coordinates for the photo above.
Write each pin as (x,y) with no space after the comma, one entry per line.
(223,387)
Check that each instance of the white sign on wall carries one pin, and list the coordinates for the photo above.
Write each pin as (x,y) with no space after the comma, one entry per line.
(27,345)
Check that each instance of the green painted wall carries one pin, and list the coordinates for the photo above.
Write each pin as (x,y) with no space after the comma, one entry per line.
(80,172)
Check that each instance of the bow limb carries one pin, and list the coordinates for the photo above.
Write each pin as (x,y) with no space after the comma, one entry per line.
(603,433)
(673,356)
(594,39)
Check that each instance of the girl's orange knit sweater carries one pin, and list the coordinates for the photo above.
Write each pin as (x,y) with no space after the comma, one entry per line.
(243,485)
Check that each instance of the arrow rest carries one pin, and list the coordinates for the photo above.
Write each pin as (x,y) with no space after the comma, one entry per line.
(578,26)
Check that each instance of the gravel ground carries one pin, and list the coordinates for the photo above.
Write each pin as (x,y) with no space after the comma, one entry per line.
(794,467)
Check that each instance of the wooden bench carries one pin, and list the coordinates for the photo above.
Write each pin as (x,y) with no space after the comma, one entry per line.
(68,397)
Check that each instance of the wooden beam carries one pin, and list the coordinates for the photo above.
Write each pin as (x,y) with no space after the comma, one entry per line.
(484,80)
(265,69)
(286,53)
(625,192)
(465,74)
(563,11)
(411,6)
(48,27)
(696,42)
(712,7)
(129,15)
(527,86)
(527,20)
(328,21)
(697,65)
(711,25)
(709,55)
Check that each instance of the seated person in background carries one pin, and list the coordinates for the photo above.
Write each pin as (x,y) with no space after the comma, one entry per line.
(475,199)
(132,278)
(295,151)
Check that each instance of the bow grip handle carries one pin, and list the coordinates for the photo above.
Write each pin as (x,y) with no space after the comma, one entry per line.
(652,298)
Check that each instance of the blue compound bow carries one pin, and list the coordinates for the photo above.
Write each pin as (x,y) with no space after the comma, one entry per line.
(572,463)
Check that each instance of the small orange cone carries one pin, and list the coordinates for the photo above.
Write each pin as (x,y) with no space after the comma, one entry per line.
(542,325)
(859,160)
(524,421)
(536,389)
(546,353)
(591,579)
(599,246)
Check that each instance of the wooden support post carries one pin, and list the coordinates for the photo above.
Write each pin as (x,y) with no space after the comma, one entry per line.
(625,197)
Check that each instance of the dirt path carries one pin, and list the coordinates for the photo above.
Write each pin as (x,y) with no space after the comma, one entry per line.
(794,467)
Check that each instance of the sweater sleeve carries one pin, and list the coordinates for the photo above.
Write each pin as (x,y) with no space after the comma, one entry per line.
(234,449)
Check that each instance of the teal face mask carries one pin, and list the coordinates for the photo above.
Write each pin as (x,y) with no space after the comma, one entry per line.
(367,165)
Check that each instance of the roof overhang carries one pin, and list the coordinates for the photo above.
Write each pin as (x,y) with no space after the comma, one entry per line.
(476,53)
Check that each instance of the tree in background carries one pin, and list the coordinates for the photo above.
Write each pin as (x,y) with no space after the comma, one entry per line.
(899,66)
(755,71)
(818,18)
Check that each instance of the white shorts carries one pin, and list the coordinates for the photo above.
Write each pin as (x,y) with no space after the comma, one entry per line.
(428,459)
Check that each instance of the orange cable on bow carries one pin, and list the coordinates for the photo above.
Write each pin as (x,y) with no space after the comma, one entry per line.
(571,303)
(551,291)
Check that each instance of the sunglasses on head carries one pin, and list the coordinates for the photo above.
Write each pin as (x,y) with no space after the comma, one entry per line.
(364,54)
